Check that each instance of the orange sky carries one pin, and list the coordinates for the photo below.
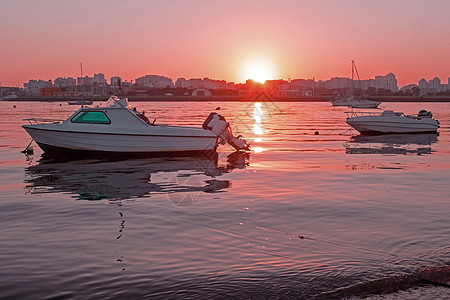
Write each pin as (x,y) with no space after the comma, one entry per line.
(299,39)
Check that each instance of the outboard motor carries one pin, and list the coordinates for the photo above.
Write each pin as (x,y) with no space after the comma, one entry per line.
(221,128)
(424,114)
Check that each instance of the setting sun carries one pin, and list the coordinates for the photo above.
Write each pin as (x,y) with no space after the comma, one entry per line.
(259,69)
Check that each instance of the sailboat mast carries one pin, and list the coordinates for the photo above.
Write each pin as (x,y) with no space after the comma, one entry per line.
(353,73)
(81,70)
(359,80)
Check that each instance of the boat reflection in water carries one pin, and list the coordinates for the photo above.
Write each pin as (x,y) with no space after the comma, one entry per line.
(114,178)
(392,144)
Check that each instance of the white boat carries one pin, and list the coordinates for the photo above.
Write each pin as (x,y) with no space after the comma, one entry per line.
(9,97)
(392,122)
(352,101)
(116,128)
(80,102)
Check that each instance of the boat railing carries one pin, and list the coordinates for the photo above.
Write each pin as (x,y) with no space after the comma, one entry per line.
(352,114)
(34,121)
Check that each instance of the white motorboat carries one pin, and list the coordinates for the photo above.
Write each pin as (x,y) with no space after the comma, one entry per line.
(355,102)
(117,128)
(392,122)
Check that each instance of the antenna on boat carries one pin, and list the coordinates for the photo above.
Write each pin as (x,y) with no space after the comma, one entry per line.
(81,70)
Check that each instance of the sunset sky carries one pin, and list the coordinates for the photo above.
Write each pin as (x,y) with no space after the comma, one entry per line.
(228,40)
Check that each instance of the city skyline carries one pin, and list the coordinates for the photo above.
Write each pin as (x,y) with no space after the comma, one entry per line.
(232,40)
(335,81)
(98,85)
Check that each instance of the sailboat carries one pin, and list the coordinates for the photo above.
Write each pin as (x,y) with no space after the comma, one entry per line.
(353,101)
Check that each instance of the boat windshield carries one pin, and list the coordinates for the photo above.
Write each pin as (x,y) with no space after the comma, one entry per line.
(91,117)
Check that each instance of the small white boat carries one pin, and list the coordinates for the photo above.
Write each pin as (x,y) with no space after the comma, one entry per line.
(9,97)
(116,128)
(80,102)
(355,102)
(392,122)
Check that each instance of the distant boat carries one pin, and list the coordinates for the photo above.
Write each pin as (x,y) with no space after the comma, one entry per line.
(355,102)
(392,122)
(352,100)
(9,97)
(80,102)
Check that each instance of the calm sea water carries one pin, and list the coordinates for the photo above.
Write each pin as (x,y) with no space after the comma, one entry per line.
(303,216)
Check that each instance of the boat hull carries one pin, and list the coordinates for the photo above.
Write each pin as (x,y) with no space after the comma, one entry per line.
(377,124)
(57,140)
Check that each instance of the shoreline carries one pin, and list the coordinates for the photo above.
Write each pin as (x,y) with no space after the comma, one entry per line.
(231,99)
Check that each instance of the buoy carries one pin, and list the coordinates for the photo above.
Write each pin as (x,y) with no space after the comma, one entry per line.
(28,150)
(316,133)
(218,108)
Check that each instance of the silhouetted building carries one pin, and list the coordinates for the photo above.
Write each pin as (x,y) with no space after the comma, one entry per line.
(65,82)
(48,91)
(33,87)
(201,92)
(154,81)
(115,81)
(204,83)
(98,79)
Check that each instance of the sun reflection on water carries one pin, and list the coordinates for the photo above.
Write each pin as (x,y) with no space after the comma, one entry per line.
(257,149)
(258,116)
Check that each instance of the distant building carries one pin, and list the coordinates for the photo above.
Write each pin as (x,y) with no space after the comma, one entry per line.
(340,83)
(32,87)
(302,83)
(115,81)
(408,89)
(65,82)
(423,84)
(98,79)
(387,82)
(278,84)
(435,85)
(287,94)
(201,93)
(154,81)
(432,86)
(48,91)
(181,83)
(204,83)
